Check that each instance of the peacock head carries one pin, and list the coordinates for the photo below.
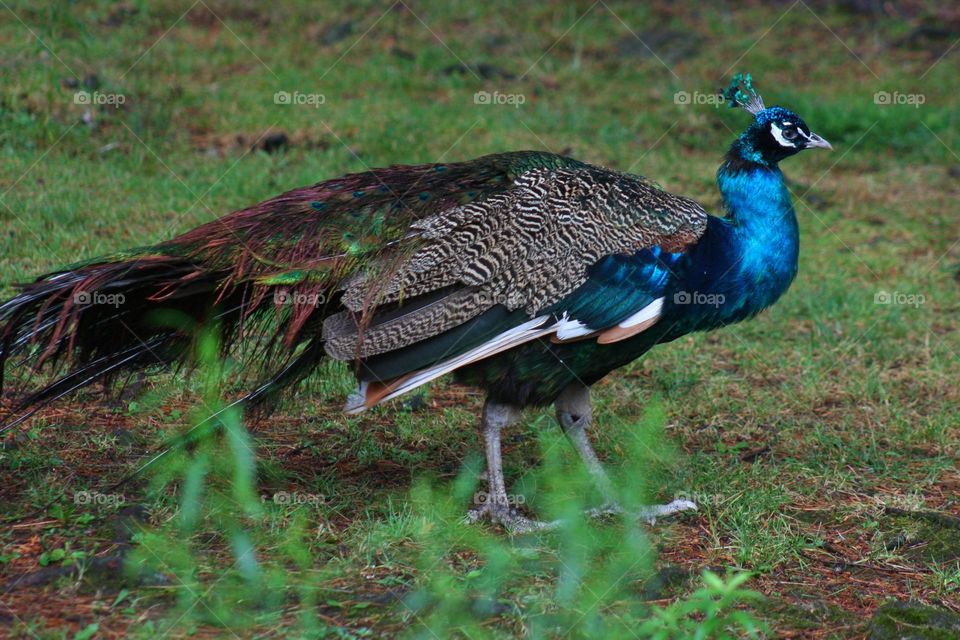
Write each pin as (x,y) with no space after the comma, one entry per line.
(775,133)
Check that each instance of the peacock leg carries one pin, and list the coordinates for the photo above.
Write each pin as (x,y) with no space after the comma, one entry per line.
(494,505)
(575,415)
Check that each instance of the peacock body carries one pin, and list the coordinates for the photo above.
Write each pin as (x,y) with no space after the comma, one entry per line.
(528,274)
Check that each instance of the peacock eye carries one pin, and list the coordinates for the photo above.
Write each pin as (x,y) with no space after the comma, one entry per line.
(790,134)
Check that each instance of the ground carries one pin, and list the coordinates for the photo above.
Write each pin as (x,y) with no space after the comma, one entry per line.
(820,439)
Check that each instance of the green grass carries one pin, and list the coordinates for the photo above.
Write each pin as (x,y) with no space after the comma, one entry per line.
(792,431)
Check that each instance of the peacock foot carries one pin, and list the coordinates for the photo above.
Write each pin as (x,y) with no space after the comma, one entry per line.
(647,513)
(506,516)
(650,513)
(608,509)
(516,523)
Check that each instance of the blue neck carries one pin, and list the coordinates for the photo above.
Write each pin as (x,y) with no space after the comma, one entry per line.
(757,201)
(745,260)
(763,228)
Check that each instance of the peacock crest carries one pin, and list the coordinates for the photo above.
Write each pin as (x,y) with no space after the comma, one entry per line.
(741,93)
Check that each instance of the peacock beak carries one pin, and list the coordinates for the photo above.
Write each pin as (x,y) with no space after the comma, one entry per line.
(816,142)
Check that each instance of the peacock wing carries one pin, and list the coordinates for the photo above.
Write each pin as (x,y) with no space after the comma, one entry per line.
(523,250)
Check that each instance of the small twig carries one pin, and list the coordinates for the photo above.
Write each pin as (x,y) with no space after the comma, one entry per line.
(30,525)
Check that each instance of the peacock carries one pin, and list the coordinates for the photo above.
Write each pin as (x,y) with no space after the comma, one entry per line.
(527,274)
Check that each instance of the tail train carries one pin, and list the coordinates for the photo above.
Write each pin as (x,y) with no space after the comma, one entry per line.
(99,320)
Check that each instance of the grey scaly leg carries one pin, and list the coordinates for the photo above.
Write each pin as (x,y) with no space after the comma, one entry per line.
(496,505)
(575,415)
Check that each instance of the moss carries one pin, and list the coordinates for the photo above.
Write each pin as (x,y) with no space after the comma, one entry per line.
(932,540)
(913,621)
(814,613)
(942,545)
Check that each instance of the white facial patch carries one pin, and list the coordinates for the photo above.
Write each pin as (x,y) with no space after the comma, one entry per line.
(778,134)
